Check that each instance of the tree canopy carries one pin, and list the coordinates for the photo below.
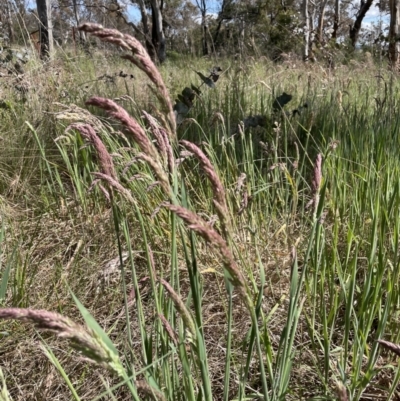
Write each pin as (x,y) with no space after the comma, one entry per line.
(272,28)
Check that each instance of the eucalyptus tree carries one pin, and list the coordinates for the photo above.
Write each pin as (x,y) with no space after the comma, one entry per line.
(146,32)
(319,37)
(306,30)
(157,29)
(82,36)
(336,19)
(152,27)
(394,35)
(6,15)
(225,14)
(355,28)
(45,28)
(202,6)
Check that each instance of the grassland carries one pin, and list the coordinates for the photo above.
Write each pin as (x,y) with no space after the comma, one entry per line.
(262,263)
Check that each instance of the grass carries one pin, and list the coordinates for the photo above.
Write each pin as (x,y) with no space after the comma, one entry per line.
(263,265)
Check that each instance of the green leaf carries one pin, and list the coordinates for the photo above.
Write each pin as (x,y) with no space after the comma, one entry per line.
(181,108)
(281,100)
(208,81)
(53,359)
(4,282)
(196,89)
(189,94)
(94,326)
(185,100)
(215,73)
(6,273)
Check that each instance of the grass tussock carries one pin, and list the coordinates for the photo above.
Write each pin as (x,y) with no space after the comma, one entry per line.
(248,249)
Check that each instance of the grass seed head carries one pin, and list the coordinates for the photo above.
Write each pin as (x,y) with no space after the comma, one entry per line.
(244,203)
(170,331)
(141,59)
(240,182)
(218,188)
(162,139)
(156,131)
(390,346)
(120,114)
(63,327)
(116,185)
(199,226)
(149,391)
(180,305)
(316,183)
(104,158)
(158,171)
(341,392)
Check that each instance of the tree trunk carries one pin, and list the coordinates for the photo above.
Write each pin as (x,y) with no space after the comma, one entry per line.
(9,22)
(336,19)
(202,6)
(50,28)
(21,9)
(146,31)
(204,40)
(221,17)
(320,30)
(45,34)
(241,36)
(356,27)
(217,31)
(394,35)
(306,29)
(82,37)
(157,34)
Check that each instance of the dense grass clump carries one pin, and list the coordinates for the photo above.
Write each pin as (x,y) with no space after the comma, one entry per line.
(247,249)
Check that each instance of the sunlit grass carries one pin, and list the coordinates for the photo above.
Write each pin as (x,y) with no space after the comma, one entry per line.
(277,289)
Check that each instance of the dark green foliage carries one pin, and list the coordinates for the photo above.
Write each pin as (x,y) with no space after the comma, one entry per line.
(186,98)
(281,101)
(207,80)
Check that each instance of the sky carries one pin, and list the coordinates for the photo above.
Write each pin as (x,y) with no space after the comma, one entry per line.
(134,13)
(373,16)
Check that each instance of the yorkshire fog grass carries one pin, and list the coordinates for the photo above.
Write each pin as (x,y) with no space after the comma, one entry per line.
(212,260)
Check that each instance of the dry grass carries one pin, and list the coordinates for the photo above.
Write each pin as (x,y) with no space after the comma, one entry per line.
(30,376)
